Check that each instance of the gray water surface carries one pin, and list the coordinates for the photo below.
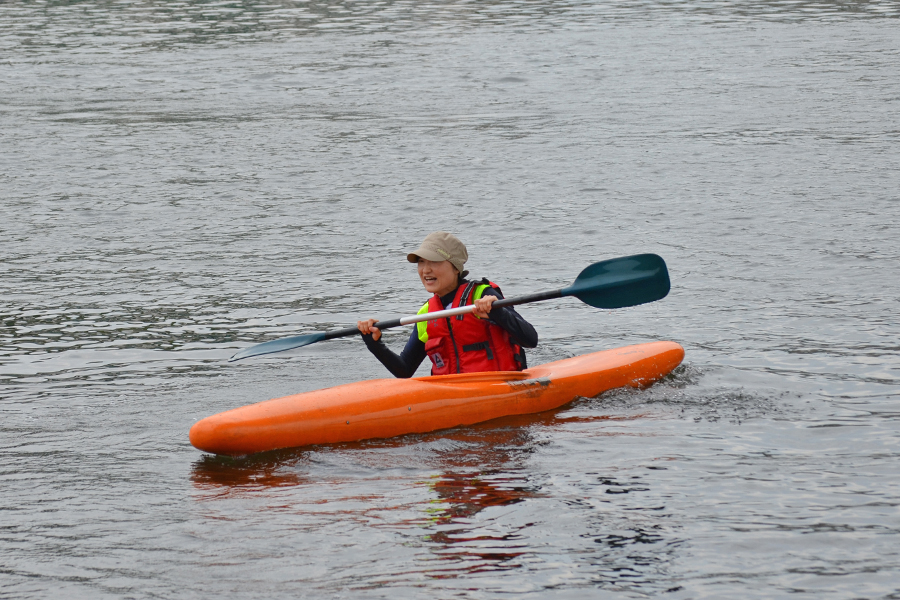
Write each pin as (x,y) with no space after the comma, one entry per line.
(179,180)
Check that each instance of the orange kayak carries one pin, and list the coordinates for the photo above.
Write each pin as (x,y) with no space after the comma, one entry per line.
(384,408)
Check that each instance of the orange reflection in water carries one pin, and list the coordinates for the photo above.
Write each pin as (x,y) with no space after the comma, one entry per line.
(485,467)
(488,470)
(486,444)
(262,471)
(458,547)
(484,470)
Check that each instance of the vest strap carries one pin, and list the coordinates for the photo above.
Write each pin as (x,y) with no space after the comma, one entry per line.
(520,358)
(480,346)
(463,300)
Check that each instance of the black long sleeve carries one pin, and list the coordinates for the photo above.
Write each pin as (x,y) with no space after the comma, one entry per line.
(522,332)
(405,364)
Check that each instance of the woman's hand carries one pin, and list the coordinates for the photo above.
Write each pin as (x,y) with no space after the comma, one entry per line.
(483,306)
(367,327)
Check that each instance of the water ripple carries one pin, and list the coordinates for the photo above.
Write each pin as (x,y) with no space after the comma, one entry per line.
(182,179)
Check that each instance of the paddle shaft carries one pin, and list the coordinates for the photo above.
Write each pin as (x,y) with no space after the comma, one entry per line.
(613,283)
(442,314)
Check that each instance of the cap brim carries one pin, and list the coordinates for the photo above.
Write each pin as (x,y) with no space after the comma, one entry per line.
(426,254)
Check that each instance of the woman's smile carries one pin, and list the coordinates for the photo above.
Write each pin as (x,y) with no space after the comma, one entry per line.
(438,277)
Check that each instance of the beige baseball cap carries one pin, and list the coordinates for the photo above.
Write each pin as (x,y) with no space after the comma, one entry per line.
(439,246)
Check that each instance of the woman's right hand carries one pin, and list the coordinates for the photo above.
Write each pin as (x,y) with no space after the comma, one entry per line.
(367,327)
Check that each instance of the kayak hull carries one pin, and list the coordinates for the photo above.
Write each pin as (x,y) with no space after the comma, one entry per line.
(383,408)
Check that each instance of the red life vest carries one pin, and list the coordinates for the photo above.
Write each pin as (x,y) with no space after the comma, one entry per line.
(465,343)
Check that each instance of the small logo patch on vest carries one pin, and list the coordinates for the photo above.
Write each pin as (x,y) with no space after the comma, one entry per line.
(438,361)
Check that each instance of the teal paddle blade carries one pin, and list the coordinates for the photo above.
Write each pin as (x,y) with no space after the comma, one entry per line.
(288,343)
(620,282)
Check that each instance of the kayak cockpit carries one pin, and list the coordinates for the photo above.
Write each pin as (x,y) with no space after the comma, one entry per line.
(483,377)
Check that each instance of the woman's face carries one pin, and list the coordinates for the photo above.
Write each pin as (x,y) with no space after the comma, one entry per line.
(438,277)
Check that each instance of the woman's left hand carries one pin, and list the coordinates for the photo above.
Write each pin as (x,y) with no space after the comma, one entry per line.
(483,306)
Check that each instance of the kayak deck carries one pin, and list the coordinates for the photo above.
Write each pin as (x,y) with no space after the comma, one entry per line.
(384,408)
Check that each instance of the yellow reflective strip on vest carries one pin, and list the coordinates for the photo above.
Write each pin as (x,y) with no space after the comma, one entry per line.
(422,326)
(479,290)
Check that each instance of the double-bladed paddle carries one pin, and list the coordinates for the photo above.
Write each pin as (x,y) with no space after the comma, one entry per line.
(614,283)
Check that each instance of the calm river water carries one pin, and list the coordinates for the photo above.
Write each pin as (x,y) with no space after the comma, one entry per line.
(182,179)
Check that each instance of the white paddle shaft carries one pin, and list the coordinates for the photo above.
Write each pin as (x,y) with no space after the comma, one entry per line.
(440,314)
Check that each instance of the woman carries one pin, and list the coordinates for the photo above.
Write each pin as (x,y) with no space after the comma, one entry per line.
(484,340)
